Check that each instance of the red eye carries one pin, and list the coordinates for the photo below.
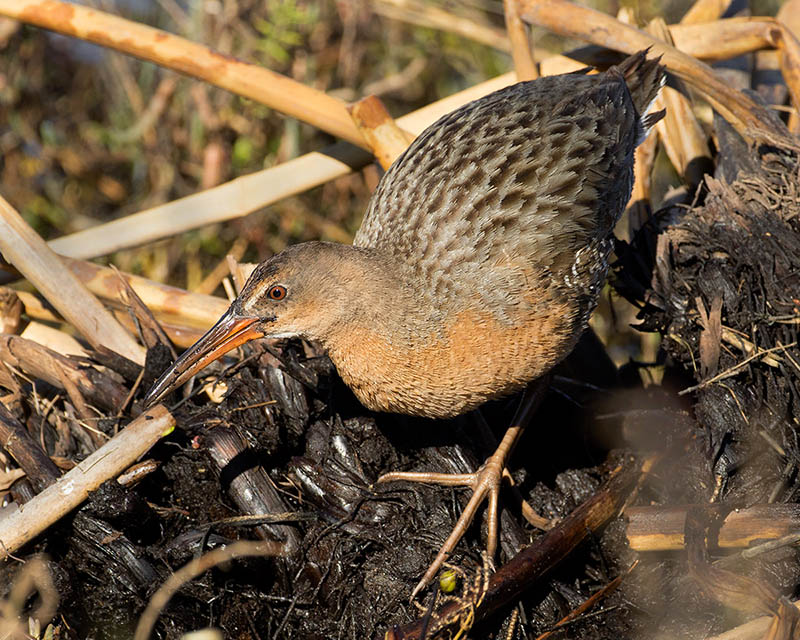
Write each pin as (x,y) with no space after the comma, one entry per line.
(277,292)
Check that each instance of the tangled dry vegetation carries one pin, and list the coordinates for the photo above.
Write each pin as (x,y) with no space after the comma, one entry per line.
(671,478)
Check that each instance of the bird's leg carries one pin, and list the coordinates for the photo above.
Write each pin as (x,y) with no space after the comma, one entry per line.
(485,482)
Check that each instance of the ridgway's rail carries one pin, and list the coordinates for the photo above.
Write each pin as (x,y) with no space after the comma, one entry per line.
(478,263)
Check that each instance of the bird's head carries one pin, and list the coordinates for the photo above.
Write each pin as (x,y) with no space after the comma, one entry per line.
(305,291)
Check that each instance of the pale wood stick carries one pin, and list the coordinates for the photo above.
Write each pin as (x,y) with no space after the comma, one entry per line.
(683,138)
(173,52)
(381,132)
(520,46)
(23,248)
(566,18)
(32,518)
(559,64)
(705,11)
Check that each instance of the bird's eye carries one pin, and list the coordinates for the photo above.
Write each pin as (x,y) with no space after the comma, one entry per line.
(277,292)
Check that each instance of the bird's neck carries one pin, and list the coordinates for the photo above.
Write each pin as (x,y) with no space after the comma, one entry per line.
(377,296)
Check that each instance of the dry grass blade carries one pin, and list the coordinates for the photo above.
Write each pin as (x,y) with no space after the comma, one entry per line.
(195,568)
(520,46)
(569,19)
(32,257)
(196,60)
(381,132)
(73,487)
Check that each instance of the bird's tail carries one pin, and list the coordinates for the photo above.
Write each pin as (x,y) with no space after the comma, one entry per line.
(644,79)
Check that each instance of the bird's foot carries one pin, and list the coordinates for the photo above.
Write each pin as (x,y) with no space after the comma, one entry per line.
(485,483)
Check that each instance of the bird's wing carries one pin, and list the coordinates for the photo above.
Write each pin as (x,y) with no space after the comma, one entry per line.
(509,187)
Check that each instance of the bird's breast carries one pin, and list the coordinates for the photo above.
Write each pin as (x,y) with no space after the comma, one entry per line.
(451,369)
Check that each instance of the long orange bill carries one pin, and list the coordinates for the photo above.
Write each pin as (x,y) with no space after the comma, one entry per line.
(230,331)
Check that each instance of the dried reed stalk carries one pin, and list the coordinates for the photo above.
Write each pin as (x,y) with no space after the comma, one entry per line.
(565,18)
(662,528)
(173,52)
(520,45)
(23,247)
(249,193)
(73,487)
(789,59)
(171,304)
(432,17)
(705,11)
(683,138)
(183,315)
(724,39)
(381,132)
(233,199)
(55,340)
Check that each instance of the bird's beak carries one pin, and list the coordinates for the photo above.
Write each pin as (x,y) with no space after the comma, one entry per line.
(231,331)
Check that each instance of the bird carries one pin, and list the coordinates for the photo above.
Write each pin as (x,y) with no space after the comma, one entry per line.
(479,260)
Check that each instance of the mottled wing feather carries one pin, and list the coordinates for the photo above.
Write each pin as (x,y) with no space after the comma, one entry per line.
(508,188)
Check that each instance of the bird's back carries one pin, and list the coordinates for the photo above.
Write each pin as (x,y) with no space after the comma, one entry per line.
(512,187)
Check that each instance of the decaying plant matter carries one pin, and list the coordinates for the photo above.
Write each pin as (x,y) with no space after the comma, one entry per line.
(701,467)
